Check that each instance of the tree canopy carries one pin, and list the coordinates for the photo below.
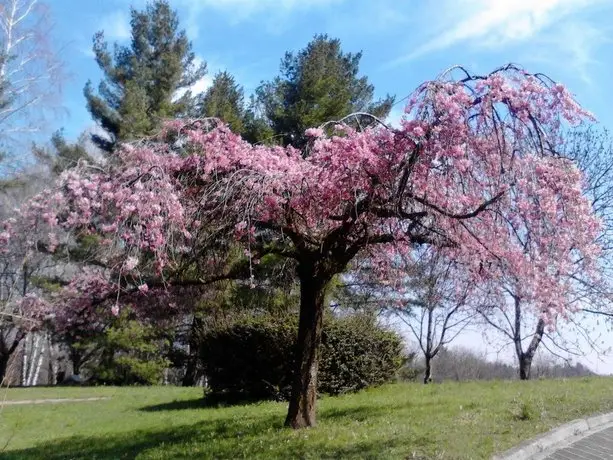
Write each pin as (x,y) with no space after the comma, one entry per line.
(474,161)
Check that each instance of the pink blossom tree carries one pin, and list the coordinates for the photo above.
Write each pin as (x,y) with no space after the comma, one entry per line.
(470,154)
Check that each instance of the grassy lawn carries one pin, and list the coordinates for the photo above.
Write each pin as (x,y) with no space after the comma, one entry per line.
(452,420)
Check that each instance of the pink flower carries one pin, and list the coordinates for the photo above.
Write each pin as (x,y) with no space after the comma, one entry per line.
(314,132)
(131,263)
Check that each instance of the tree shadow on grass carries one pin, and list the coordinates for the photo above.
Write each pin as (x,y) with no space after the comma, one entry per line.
(253,438)
(201,403)
(148,443)
(354,413)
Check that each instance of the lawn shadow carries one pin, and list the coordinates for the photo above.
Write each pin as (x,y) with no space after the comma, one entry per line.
(364,412)
(129,445)
(202,403)
(256,437)
(199,403)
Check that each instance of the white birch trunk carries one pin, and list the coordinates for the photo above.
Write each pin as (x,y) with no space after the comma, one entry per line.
(24,361)
(33,355)
(53,359)
(41,357)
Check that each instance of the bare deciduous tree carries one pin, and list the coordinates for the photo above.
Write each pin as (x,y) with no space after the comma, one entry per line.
(436,304)
(30,69)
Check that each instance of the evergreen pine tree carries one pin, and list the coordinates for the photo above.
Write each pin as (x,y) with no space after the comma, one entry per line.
(318,84)
(146,81)
(224,100)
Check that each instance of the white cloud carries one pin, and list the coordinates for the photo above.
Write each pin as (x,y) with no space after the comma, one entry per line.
(493,23)
(201,85)
(116,26)
(395,115)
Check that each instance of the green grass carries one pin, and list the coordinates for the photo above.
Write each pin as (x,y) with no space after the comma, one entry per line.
(452,420)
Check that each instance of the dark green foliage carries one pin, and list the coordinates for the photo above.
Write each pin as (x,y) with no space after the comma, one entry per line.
(141,81)
(130,353)
(356,354)
(62,155)
(250,356)
(318,84)
(224,100)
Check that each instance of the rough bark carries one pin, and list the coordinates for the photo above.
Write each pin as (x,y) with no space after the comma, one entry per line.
(302,404)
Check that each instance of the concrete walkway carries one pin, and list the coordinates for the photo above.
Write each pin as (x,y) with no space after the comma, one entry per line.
(593,447)
(49,401)
(583,439)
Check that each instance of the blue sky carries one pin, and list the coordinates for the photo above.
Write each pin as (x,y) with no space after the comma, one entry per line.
(404,41)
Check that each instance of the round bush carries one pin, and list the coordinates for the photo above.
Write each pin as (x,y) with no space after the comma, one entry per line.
(250,356)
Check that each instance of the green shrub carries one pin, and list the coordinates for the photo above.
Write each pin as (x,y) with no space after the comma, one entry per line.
(130,354)
(251,356)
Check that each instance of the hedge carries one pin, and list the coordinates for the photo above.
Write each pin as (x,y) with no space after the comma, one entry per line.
(250,357)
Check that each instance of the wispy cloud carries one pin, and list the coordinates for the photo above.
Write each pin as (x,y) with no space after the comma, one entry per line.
(492,24)
(116,26)
(242,6)
(273,11)
(573,49)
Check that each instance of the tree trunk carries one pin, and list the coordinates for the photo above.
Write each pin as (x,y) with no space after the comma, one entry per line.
(428,371)
(301,412)
(191,369)
(24,361)
(4,363)
(75,357)
(525,366)
(525,359)
(35,351)
(41,358)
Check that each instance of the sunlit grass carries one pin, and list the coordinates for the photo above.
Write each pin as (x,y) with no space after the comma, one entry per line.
(451,420)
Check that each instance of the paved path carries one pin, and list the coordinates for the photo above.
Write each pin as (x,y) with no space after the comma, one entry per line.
(582,439)
(596,446)
(49,401)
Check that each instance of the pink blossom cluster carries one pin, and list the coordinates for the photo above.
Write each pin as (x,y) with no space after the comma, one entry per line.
(470,170)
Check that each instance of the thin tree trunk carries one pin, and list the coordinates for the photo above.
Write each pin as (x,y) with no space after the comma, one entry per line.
(76,357)
(4,363)
(54,367)
(191,370)
(525,359)
(24,361)
(41,358)
(36,351)
(302,404)
(428,371)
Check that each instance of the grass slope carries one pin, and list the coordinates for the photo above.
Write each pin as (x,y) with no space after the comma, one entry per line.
(452,420)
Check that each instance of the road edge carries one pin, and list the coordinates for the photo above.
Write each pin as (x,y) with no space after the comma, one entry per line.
(541,446)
